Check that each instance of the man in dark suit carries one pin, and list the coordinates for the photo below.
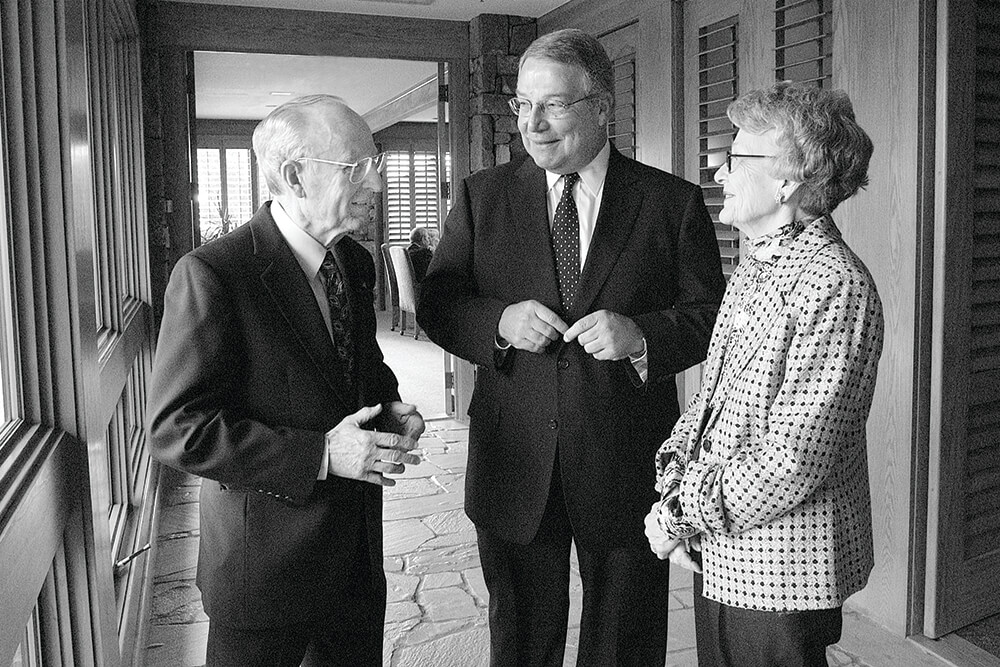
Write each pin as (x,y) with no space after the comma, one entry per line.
(579,281)
(268,383)
(423,240)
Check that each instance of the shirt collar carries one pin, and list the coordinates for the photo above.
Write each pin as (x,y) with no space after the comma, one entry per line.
(592,176)
(309,252)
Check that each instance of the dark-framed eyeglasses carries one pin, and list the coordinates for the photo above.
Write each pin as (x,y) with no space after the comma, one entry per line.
(730,156)
(550,108)
(359,169)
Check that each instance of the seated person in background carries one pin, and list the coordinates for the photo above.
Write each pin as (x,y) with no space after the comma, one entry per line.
(423,240)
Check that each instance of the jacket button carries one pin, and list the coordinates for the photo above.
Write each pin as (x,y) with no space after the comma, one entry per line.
(563,364)
(553,424)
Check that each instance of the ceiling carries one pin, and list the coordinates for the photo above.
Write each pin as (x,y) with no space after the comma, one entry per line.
(243,86)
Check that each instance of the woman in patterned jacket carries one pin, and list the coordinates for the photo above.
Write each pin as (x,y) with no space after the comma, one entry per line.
(766,472)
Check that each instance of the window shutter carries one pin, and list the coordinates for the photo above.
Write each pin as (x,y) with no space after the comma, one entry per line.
(411,192)
(982,492)
(399,211)
(718,46)
(239,188)
(209,192)
(803,41)
(425,208)
(621,126)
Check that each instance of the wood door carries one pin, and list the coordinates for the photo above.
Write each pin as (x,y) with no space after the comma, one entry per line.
(963,546)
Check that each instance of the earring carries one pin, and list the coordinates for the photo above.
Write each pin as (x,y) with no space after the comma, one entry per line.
(779,197)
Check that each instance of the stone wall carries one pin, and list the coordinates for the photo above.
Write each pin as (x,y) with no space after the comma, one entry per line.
(495,46)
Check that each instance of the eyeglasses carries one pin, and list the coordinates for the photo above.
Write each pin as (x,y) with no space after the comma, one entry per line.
(359,169)
(550,109)
(730,156)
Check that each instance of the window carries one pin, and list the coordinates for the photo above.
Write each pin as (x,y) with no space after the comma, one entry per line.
(803,41)
(230,187)
(29,649)
(718,48)
(411,192)
(8,341)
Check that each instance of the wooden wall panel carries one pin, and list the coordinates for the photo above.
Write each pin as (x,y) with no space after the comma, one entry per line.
(876,61)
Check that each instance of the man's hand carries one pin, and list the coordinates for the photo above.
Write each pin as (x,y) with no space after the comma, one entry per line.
(530,326)
(606,336)
(355,453)
(660,543)
(400,418)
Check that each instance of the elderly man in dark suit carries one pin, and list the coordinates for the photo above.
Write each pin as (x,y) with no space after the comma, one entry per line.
(579,281)
(268,383)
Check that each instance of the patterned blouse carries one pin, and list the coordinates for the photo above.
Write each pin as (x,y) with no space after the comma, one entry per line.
(768,464)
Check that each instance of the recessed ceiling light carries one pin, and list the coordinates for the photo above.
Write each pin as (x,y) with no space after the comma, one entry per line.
(280,93)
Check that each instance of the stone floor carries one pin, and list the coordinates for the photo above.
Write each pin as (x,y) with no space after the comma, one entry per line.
(437,600)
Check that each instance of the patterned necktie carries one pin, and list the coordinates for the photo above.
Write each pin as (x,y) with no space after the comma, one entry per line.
(340,315)
(566,242)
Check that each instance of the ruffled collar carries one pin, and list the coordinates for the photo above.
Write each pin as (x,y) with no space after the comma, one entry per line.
(769,247)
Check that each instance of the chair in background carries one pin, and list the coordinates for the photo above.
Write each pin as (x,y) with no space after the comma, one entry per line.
(407,288)
(390,285)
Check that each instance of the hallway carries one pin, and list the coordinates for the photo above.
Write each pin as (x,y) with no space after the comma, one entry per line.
(437,600)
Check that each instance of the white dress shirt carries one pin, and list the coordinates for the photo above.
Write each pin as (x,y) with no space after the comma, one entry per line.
(588,195)
(309,253)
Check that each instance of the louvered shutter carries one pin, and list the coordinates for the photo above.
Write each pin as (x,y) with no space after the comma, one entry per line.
(803,41)
(963,566)
(718,46)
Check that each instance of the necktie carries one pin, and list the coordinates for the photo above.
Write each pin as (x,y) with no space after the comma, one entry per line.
(566,242)
(340,315)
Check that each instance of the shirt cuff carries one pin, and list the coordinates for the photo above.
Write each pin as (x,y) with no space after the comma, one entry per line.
(324,467)
(641,362)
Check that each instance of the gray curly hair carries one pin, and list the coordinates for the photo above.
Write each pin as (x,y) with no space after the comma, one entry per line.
(821,144)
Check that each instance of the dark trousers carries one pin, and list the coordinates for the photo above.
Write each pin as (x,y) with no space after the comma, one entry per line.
(733,637)
(311,645)
(625,598)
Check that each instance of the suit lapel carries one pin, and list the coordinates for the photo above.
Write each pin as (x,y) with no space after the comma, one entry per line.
(620,205)
(527,198)
(287,287)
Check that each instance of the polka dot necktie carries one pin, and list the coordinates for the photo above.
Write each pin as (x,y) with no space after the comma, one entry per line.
(566,242)
(340,315)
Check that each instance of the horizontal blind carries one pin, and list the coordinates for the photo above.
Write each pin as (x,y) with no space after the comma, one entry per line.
(803,41)
(621,127)
(718,61)
(982,487)
(411,182)
(425,208)
(399,209)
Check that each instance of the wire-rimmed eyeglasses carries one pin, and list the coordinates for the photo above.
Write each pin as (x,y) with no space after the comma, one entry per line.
(359,169)
(730,156)
(550,108)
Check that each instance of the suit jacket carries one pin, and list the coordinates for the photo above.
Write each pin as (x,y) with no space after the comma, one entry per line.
(774,444)
(653,258)
(245,385)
